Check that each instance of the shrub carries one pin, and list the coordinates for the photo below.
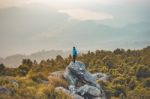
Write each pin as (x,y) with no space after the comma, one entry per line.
(146,83)
(119,89)
(132,84)
(3,81)
(38,77)
(119,80)
(143,72)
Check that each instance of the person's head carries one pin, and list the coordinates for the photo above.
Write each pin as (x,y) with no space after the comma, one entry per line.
(73,47)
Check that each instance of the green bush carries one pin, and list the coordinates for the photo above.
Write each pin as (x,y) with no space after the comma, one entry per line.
(119,89)
(143,72)
(119,80)
(146,83)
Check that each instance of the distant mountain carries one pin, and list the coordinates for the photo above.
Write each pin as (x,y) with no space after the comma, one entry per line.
(15,60)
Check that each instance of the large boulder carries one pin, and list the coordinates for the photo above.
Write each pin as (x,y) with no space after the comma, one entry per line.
(74,74)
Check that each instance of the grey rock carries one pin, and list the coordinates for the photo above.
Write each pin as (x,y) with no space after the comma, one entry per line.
(87,89)
(76,71)
(72,88)
(67,92)
(15,83)
(4,90)
(101,76)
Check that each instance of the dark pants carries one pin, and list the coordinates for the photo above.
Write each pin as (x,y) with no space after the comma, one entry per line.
(74,58)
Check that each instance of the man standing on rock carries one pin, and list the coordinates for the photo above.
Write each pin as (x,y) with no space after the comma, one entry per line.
(74,54)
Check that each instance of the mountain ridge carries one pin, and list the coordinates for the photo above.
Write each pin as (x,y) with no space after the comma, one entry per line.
(16,59)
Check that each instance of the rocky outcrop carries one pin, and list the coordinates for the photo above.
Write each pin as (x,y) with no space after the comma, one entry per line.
(76,72)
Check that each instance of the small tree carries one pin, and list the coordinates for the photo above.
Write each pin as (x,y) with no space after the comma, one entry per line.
(27,62)
(25,67)
(2,66)
(59,58)
(119,51)
(2,71)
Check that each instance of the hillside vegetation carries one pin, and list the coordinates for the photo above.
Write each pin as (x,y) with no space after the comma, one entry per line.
(129,73)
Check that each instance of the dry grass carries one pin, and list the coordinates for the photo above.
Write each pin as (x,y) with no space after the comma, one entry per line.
(29,89)
(56,82)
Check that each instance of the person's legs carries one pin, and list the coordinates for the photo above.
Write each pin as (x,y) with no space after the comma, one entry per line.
(74,58)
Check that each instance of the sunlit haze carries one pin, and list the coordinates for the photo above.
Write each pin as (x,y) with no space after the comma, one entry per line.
(28,26)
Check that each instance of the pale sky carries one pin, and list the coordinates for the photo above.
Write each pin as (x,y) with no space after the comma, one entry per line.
(28,26)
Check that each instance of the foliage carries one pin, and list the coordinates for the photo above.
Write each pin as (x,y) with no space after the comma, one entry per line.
(146,83)
(2,66)
(143,71)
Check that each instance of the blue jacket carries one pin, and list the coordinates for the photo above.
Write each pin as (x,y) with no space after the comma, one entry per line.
(74,52)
